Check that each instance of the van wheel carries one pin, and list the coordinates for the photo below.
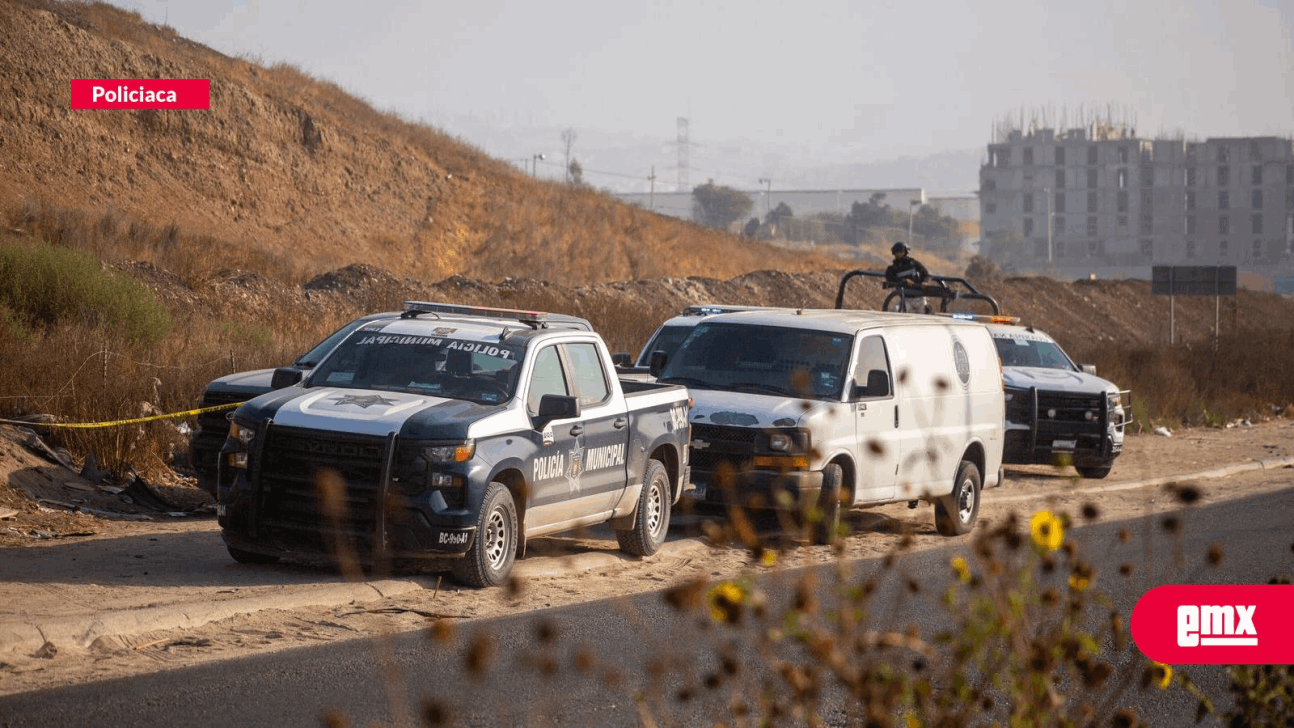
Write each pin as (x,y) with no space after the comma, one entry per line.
(489,562)
(251,557)
(651,518)
(1095,472)
(956,512)
(824,531)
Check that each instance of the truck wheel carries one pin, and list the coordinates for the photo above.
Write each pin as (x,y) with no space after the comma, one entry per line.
(494,548)
(1095,472)
(824,531)
(956,512)
(651,519)
(895,302)
(251,557)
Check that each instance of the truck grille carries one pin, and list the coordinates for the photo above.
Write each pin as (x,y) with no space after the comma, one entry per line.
(733,445)
(1070,407)
(289,474)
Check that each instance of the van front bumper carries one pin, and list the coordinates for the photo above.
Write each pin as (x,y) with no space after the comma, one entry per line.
(757,488)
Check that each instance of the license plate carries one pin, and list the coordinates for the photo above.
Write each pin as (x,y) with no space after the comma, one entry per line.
(697,492)
(1064,444)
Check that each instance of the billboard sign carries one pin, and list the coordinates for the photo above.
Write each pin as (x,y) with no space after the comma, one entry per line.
(1193,280)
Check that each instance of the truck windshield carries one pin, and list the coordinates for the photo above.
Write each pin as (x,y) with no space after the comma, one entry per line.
(666,339)
(775,360)
(1022,351)
(436,366)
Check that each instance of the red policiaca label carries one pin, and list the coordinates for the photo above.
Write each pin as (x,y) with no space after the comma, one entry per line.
(141,93)
(1234,624)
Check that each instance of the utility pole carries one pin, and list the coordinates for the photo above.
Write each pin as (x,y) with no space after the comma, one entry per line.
(534,164)
(651,204)
(768,196)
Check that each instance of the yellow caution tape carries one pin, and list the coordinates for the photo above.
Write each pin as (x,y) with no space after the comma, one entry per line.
(115,423)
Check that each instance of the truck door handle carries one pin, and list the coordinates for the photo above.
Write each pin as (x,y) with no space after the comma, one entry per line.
(620,423)
(577,430)
(896,415)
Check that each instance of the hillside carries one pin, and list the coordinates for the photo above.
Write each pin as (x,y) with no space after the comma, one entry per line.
(292,176)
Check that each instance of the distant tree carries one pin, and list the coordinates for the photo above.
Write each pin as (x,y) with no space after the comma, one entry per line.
(939,231)
(568,141)
(719,206)
(775,216)
(752,228)
(863,216)
(574,172)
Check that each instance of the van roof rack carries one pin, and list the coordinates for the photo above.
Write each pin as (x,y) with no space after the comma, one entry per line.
(533,319)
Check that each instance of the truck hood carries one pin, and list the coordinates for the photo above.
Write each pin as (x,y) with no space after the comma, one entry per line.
(256,381)
(743,409)
(1055,380)
(368,412)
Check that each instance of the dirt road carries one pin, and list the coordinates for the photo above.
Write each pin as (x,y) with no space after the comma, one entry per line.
(117,575)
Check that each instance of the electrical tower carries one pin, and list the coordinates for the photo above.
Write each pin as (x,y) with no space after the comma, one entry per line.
(683,184)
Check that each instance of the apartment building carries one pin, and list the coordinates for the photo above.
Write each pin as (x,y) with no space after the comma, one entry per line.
(1102,197)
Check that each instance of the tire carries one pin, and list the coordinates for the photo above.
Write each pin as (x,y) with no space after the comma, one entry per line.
(651,517)
(1095,472)
(891,305)
(251,557)
(826,530)
(494,547)
(956,512)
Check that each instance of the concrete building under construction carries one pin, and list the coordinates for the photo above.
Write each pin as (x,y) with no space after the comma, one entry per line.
(1098,197)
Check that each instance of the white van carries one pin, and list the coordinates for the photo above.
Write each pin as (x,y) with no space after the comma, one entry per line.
(801,408)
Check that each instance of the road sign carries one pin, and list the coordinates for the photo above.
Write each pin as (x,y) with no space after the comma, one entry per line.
(1193,280)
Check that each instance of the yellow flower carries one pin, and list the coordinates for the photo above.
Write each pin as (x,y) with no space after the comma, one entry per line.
(961,570)
(1047,530)
(913,721)
(1162,674)
(725,602)
(768,558)
(1079,583)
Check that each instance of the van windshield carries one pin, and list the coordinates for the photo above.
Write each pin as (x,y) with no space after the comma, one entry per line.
(790,362)
(1021,351)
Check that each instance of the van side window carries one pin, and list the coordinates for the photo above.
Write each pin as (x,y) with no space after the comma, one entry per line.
(547,378)
(873,368)
(590,378)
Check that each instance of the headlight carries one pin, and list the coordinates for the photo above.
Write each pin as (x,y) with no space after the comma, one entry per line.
(780,442)
(453,452)
(240,437)
(242,433)
(1115,400)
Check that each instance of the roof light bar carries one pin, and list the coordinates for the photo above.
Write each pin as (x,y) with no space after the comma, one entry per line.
(984,318)
(710,310)
(531,318)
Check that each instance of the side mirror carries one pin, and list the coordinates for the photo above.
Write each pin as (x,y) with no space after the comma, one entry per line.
(556,407)
(658,359)
(622,359)
(1088,368)
(285,377)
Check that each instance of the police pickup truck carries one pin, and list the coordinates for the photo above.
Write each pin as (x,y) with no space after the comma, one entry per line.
(452,435)
(1056,411)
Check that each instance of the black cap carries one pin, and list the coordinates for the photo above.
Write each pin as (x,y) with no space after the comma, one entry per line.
(900,247)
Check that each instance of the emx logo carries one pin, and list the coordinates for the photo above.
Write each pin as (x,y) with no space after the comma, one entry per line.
(1216,624)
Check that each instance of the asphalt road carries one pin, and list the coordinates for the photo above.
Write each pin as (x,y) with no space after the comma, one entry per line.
(638,660)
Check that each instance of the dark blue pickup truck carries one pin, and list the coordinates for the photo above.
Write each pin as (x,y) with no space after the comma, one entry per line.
(452,435)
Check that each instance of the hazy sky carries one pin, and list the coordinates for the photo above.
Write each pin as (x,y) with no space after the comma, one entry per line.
(840,80)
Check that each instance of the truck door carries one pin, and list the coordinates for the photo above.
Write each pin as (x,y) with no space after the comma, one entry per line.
(550,487)
(879,445)
(601,448)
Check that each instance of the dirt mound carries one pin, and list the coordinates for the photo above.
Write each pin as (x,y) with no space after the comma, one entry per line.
(290,172)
